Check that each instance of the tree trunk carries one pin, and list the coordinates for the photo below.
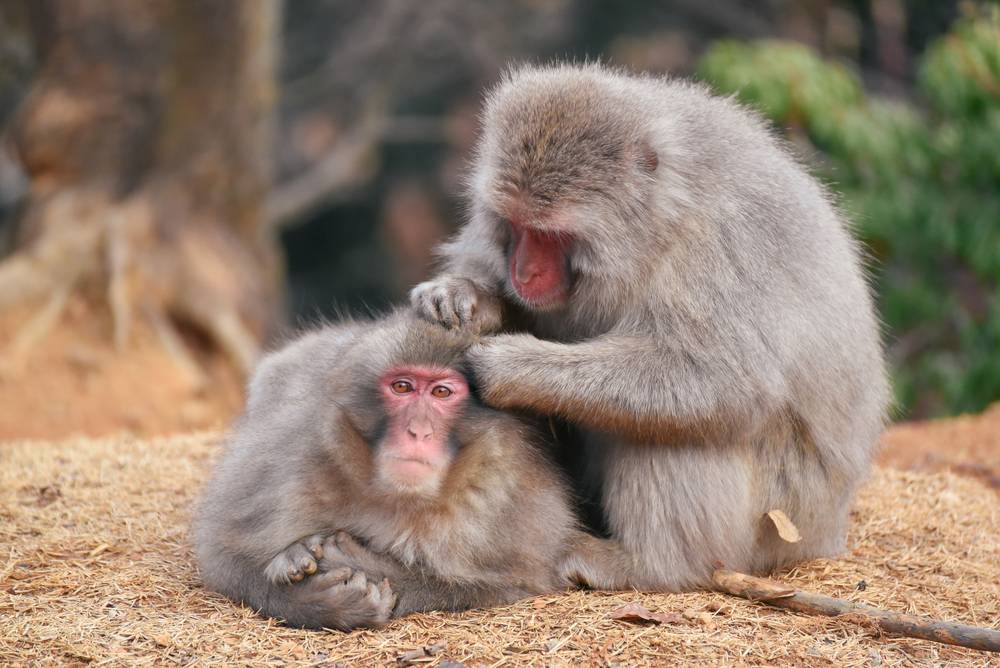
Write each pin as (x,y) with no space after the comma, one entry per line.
(146,139)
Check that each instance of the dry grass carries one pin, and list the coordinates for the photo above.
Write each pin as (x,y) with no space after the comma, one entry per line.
(96,568)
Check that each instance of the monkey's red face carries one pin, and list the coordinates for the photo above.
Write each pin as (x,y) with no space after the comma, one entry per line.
(422,404)
(538,265)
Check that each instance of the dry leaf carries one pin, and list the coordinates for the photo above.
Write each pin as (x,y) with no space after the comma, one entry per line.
(700,616)
(163,640)
(539,603)
(421,654)
(293,648)
(719,607)
(635,613)
(786,528)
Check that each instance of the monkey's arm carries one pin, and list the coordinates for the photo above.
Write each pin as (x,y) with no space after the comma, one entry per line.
(641,387)
(416,589)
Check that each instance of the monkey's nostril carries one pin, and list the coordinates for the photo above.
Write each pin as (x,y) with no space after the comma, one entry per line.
(420,433)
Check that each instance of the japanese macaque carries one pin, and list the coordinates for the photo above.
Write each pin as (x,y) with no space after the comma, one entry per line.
(671,282)
(366,481)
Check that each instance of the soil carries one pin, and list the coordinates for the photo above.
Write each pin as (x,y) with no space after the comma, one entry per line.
(74,382)
(97,569)
(968,445)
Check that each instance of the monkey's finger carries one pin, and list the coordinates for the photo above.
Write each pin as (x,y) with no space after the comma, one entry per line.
(418,296)
(301,560)
(422,300)
(342,574)
(315,546)
(347,543)
(465,311)
(338,576)
(384,589)
(444,307)
(431,305)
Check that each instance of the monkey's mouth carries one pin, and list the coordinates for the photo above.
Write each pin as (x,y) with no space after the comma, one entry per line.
(411,469)
(547,301)
(538,269)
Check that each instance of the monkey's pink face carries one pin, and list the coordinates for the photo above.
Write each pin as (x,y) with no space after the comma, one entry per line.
(538,265)
(422,404)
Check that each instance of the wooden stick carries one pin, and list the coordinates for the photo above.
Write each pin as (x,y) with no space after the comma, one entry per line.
(894,623)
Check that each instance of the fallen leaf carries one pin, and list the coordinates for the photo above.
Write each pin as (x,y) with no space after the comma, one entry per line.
(786,528)
(635,613)
(700,616)
(421,654)
(163,640)
(293,648)
(539,603)
(719,608)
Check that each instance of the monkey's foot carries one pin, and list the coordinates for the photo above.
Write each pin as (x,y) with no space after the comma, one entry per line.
(348,599)
(296,561)
(457,303)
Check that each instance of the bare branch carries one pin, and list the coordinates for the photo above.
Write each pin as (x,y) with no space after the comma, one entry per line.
(350,164)
(893,623)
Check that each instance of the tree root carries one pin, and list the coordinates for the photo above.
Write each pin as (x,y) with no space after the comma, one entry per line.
(86,242)
(35,330)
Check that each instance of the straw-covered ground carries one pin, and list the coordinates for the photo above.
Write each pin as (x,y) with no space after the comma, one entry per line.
(96,568)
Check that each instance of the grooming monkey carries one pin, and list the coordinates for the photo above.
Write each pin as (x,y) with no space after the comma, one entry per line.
(694,303)
(372,430)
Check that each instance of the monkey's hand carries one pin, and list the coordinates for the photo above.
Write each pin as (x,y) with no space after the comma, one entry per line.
(296,561)
(342,551)
(457,303)
(496,364)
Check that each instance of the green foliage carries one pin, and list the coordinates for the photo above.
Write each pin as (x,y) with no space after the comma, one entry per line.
(922,186)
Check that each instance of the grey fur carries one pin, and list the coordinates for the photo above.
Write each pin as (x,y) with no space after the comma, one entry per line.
(719,345)
(299,471)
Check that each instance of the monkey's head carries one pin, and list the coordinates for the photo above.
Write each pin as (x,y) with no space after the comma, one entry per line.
(564,173)
(413,405)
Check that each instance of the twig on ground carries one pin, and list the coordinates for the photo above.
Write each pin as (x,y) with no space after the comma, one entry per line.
(894,623)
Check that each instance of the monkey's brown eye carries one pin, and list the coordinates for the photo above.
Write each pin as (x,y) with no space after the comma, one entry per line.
(401,387)
(441,392)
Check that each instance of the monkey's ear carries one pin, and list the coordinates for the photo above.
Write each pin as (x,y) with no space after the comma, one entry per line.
(647,157)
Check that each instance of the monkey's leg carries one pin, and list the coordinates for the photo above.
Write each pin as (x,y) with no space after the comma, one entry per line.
(677,508)
(596,563)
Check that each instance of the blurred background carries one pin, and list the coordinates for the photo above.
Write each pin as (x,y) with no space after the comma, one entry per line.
(182,182)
